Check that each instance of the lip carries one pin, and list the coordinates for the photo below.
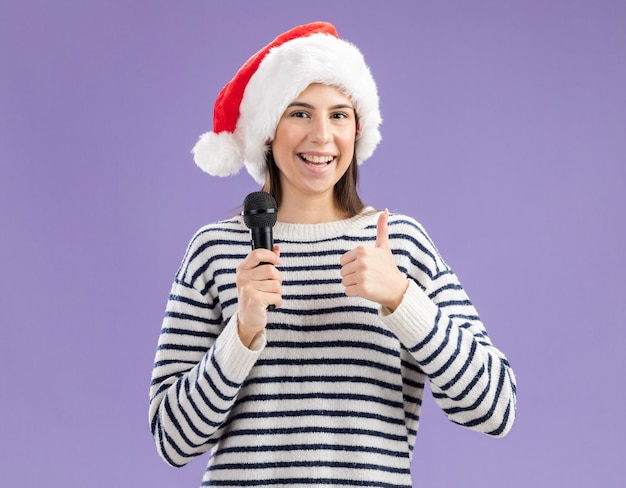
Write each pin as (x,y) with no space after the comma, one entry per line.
(317,162)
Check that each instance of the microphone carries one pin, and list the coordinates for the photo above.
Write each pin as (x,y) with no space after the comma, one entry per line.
(259,214)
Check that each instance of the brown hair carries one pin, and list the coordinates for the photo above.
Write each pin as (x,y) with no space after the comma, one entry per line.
(347,197)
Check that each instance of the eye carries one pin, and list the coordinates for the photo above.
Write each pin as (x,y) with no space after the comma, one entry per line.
(299,114)
(341,115)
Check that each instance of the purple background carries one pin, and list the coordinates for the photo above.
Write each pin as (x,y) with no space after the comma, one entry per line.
(504,133)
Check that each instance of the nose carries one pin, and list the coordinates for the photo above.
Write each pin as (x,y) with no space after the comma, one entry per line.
(320,130)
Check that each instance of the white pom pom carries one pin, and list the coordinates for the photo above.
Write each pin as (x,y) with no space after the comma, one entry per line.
(218,154)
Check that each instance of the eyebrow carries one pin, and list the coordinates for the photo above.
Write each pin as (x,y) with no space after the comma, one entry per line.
(311,107)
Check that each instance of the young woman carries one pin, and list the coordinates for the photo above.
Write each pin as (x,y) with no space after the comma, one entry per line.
(326,388)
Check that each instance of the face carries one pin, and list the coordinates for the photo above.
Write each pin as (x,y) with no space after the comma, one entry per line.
(314,142)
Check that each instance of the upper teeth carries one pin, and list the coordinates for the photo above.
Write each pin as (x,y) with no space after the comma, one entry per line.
(317,159)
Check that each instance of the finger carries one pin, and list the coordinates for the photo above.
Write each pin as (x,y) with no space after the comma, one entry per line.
(269,287)
(259,256)
(382,230)
(264,273)
(352,255)
(349,268)
(350,280)
(259,287)
(347,258)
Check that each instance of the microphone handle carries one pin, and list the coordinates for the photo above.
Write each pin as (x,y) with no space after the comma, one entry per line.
(262,239)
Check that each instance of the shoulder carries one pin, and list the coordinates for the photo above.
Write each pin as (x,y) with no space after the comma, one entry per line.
(218,240)
(408,235)
(404,226)
(231,230)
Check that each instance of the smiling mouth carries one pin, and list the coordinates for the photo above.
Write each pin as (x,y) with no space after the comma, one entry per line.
(316,160)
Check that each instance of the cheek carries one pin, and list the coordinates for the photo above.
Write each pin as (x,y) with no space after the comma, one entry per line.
(283,146)
(347,143)
(287,136)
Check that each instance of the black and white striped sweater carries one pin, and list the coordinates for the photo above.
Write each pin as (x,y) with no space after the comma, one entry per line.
(331,394)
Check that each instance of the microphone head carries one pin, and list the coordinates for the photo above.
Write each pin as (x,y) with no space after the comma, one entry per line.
(259,210)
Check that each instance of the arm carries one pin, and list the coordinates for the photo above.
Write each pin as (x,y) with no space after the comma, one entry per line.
(202,362)
(435,321)
(198,371)
(471,380)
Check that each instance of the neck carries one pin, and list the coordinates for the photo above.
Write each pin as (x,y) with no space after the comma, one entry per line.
(309,210)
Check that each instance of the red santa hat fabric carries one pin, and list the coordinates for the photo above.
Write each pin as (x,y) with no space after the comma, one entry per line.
(249,107)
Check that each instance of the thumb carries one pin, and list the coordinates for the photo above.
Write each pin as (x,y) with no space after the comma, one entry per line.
(382,231)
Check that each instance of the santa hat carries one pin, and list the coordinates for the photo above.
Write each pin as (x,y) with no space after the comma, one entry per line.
(250,106)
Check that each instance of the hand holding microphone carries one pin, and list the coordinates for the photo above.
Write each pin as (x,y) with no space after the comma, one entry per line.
(258,281)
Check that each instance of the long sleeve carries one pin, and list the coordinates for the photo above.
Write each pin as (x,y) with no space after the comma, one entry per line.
(199,368)
(470,378)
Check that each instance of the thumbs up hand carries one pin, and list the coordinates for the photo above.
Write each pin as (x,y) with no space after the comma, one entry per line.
(371,272)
